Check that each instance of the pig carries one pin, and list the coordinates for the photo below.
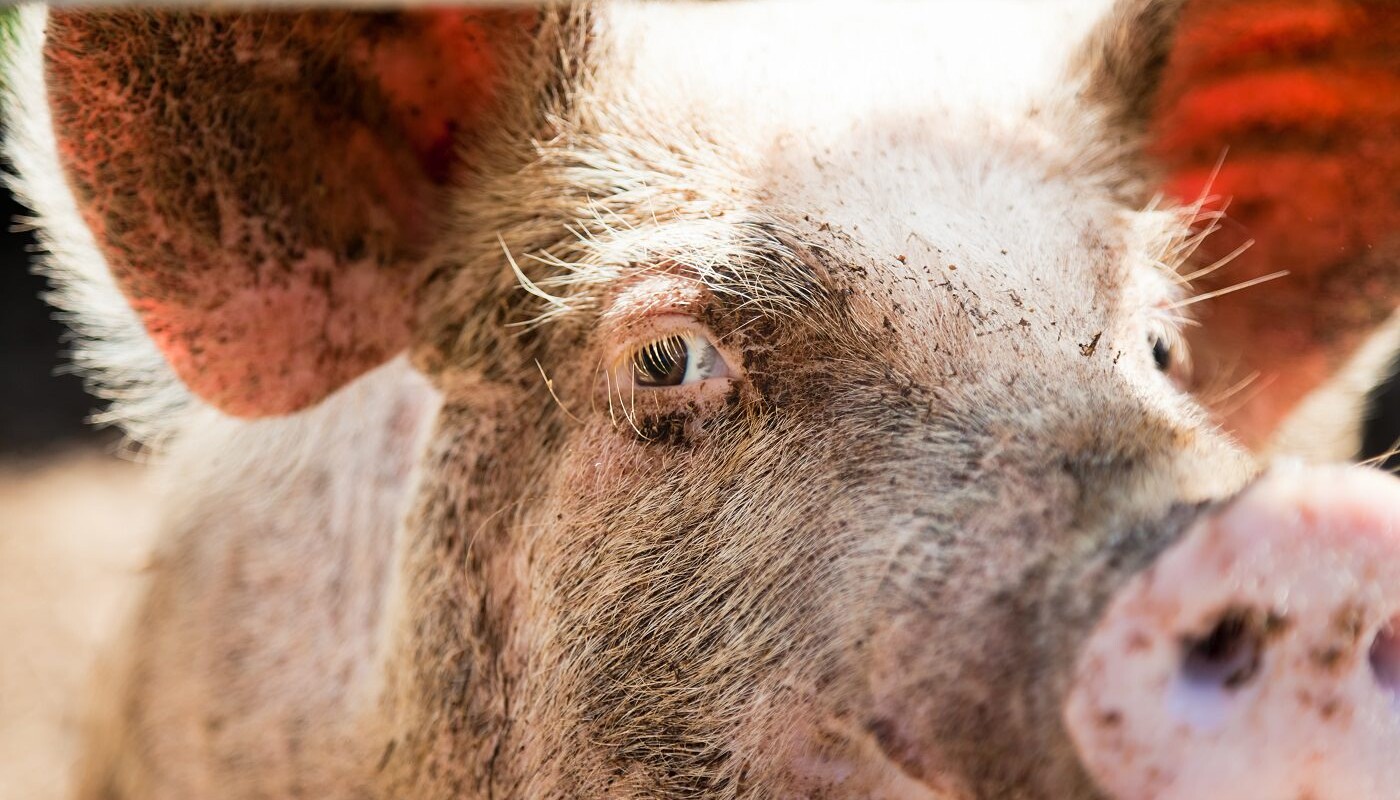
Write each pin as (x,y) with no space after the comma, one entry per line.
(734,399)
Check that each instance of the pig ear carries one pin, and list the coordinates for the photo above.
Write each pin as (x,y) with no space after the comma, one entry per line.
(263,185)
(1298,106)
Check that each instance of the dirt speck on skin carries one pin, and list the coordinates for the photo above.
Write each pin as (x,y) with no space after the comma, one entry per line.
(75,535)
(1329,708)
(1092,345)
(1349,621)
(666,429)
(1346,628)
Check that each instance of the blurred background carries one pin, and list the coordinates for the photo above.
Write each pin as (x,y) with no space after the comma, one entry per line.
(42,408)
(76,522)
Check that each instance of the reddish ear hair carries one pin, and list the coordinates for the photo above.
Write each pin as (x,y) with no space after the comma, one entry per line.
(264,185)
(1302,100)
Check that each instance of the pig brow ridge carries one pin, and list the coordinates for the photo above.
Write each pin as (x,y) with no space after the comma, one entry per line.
(757,265)
(776,272)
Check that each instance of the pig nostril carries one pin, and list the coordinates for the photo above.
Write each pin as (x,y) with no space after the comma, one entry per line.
(1385,657)
(1222,661)
(1228,657)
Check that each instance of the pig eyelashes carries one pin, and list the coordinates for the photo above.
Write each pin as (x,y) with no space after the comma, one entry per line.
(676,359)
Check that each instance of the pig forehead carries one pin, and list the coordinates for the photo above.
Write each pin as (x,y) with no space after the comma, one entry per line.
(931,131)
(971,273)
(759,68)
(985,210)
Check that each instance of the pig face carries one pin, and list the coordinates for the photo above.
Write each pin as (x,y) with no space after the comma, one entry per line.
(829,428)
(804,402)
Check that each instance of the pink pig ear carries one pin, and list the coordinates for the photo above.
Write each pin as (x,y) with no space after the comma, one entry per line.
(264,185)
(1297,103)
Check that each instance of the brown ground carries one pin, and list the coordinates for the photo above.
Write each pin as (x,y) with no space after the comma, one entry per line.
(74,536)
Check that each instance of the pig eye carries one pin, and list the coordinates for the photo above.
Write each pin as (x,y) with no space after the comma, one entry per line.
(1162,354)
(1169,352)
(675,360)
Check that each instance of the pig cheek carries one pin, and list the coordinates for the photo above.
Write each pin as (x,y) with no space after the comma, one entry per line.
(604,462)
(811,747)
(902,709)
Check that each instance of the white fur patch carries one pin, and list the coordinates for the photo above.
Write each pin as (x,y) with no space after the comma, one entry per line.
(110,349)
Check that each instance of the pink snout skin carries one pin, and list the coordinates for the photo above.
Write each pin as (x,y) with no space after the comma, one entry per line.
(1259,658)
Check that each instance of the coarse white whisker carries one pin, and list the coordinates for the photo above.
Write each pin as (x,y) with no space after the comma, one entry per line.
(524,280)
(1218,263)
(1200,298)
(549,384)
(1381,458)
(1240,394)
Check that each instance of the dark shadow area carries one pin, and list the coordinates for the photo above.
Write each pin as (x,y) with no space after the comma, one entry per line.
(1382,431)
(42,407)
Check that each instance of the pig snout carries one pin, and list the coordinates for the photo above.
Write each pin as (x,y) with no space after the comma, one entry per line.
(1259,657)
